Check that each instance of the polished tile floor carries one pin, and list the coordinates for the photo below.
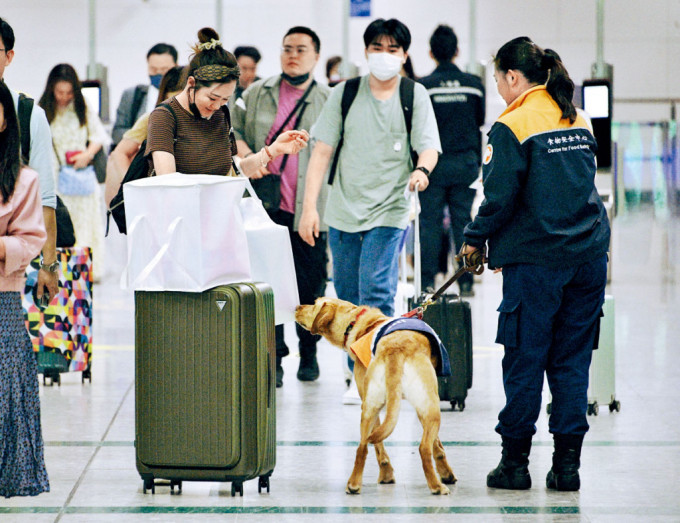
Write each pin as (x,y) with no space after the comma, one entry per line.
(629,457)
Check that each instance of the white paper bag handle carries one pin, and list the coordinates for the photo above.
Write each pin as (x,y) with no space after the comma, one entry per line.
(124,284)
(250,190)
(162,252)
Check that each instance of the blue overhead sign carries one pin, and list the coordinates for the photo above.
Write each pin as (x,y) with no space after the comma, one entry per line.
(360,8)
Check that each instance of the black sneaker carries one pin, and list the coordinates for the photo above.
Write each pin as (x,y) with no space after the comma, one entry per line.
(308,370)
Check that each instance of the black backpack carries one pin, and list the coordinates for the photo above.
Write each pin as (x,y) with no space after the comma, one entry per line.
(65,234)
(139,168)
(406,86)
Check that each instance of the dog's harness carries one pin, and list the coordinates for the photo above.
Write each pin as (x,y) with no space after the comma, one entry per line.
(366,346)
(351,325)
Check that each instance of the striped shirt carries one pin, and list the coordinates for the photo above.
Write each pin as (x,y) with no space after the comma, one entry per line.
(201,147)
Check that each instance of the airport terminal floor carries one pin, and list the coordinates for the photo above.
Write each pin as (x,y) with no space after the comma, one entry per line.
(627,462)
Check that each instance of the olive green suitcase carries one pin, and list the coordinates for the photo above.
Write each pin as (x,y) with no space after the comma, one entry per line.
(205,406)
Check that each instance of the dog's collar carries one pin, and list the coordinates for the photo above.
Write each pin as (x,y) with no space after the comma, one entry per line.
(352,323)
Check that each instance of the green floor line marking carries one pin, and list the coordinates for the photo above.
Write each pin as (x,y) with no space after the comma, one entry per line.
(287,443)
(508,510)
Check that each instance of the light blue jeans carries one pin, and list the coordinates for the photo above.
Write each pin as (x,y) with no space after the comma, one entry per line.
(366,266)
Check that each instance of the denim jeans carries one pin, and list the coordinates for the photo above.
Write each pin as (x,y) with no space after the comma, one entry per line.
(548,323)
(366,267)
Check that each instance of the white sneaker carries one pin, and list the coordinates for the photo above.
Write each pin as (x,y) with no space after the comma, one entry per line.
(351,397)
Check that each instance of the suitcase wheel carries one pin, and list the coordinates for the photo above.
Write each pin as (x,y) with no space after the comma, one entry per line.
(236,486)
(178,484)
(593,408)
(149,485)
(54,377)
(615,405)
(263,482)
(87,375)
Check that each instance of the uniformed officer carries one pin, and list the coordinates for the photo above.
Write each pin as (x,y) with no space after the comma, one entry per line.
(458,101)
(547,229)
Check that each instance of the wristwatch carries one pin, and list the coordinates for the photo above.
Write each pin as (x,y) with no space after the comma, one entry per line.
(52,267)
(424,169)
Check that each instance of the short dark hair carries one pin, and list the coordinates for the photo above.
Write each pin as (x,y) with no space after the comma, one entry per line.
(249,51)
(7,35)
(443,44)
(392,28)
(163,49)
(301,29)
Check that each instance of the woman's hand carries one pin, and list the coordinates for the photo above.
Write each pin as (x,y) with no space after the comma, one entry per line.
(260,172)
(81,160)
(290,142)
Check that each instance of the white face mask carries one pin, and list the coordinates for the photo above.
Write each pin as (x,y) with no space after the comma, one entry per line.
(384,65)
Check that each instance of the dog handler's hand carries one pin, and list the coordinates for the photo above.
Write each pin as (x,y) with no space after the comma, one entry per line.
(308,229)
(418,177)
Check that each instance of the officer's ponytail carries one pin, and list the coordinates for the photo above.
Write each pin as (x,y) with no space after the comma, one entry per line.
(559,85)
(539,67)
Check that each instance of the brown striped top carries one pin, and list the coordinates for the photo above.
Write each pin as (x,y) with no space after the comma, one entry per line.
(202,146)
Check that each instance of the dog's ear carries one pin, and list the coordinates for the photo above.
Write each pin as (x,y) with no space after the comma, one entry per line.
(323,318)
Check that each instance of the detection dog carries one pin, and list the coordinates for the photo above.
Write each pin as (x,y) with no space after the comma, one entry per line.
(403,365)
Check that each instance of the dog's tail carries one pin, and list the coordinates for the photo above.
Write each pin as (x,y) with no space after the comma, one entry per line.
(393,375)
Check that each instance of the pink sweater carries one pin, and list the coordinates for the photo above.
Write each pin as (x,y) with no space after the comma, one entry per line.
(22,230)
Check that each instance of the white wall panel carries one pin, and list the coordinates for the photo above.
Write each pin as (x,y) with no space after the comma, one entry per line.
(642,39)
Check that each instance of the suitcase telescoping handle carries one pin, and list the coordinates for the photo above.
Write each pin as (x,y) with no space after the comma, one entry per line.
(417,282)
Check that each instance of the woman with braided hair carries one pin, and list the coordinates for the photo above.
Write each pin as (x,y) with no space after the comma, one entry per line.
(547,229)
(191,134)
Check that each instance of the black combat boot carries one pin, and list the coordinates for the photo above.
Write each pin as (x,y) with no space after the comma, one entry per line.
(566,461)
(512,472)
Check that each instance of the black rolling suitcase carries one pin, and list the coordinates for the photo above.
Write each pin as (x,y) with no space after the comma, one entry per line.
(451,319)
(205,393)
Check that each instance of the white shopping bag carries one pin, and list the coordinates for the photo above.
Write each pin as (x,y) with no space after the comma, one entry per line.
(185,233)
(271,256)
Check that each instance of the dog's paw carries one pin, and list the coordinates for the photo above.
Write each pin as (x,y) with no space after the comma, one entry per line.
(450,480)
(442,490)
(353,490)
(388,480)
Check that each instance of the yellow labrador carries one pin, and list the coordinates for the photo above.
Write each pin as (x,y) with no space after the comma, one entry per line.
(403,365)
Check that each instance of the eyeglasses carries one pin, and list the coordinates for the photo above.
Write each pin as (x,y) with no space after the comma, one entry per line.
(289,50)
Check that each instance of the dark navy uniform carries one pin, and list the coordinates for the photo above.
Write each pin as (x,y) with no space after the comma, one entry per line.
(458,101)
(547,228)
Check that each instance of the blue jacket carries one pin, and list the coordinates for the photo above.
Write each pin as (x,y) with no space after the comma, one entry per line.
(540,203)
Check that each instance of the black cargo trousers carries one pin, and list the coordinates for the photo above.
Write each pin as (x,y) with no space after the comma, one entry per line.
(449,187)
(311,274)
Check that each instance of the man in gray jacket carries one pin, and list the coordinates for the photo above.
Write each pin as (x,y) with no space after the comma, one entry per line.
(142,98)
(291,100)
